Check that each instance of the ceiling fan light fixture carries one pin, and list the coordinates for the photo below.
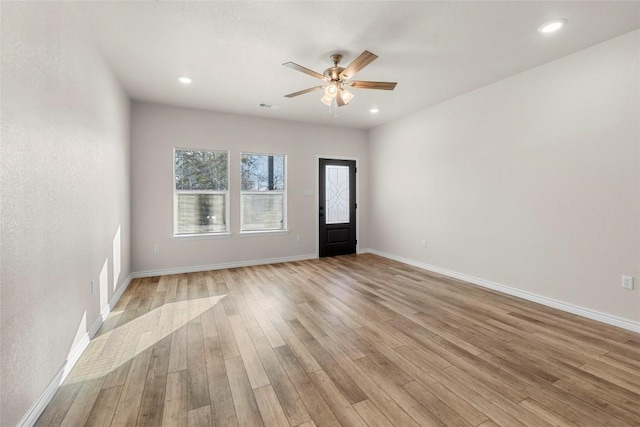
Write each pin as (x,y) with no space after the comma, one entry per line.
(346,96)
(326,100)
(331,90)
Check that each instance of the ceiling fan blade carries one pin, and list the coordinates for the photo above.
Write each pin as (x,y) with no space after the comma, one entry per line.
(305,70)
(358,64)
(373,85)
(302,92)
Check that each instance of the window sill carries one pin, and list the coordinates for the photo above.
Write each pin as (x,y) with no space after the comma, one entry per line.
(202,236)
(264,233)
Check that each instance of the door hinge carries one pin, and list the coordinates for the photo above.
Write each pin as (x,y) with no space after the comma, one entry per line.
(356,170)
(356,241)
(356,206)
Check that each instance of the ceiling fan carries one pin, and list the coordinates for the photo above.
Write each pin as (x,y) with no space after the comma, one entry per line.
(337,78)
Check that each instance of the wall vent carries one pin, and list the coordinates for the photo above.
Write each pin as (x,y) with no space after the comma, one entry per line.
(268,106)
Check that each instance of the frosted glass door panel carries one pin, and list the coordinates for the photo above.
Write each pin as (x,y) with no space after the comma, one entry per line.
(337,194)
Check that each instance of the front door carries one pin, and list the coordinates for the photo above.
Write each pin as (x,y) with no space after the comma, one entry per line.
(337,207)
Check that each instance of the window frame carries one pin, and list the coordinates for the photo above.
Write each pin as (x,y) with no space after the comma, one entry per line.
(226,193)
(285,214)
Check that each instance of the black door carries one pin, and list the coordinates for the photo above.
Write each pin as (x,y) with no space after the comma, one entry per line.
(337,213)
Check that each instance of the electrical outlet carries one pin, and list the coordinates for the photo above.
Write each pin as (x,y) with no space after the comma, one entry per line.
(92,286)
(156,248)
(298,238)
(423,243)
(627,282)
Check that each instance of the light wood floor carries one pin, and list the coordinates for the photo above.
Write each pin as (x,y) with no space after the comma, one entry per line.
(353,341)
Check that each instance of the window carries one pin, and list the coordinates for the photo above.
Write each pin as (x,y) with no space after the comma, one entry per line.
(201,192)
(337,194)
(263,196)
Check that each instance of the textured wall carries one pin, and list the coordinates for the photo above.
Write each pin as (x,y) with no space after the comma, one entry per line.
(157,129)
(532,182)
(65,194)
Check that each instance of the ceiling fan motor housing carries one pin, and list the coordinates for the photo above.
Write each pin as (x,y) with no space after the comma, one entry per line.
(333,73)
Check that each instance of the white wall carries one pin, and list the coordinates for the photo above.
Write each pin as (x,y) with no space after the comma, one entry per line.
(65,195)
(157,129)
(532,182)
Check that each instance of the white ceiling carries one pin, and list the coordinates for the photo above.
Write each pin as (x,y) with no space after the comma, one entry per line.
(234,51)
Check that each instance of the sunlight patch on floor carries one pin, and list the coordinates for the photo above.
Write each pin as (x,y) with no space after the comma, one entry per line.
(114,348)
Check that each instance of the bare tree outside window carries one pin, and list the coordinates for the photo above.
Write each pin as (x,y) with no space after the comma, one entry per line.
(201,191)
(263,197)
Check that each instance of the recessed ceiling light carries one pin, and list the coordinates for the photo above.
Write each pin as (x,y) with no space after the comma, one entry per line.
(185,80)
(373,110)
(552,27)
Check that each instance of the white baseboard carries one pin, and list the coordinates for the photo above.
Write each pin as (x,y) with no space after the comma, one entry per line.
(107,310)
(549,302)
(208,267)
(36,409)
(41,403)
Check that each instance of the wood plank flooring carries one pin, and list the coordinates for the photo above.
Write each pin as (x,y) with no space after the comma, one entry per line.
(352,341)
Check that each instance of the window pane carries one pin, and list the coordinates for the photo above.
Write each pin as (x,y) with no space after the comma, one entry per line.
(201,213)
(262,211)
(201,170)
(337,194)
(261,172)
